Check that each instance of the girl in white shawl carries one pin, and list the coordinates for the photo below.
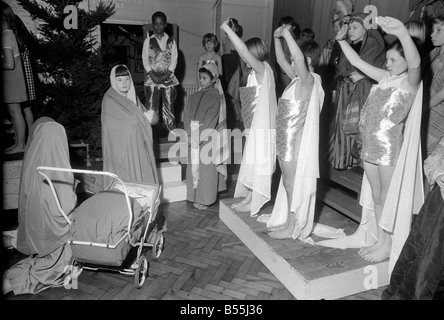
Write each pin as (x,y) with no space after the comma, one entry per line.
(259,116)
(297,139)
(390,122)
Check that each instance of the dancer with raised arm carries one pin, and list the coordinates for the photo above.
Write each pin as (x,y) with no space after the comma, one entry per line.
(259,106)
(297,138)
(390,127)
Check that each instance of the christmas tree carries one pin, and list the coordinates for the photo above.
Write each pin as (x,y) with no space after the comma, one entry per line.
(73,76)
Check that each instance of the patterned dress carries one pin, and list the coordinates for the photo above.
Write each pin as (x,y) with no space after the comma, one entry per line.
(383,119)
(290,123)
(160,56)
(160,62)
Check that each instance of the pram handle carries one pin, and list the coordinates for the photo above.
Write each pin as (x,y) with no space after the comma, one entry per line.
(103,173)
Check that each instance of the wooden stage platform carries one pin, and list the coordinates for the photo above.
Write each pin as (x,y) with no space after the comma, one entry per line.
(308,272)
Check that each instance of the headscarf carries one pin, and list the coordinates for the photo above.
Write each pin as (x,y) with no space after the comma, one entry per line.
(357,17)
(131,94)
(373,45)
(127,140)
(42,228)
(372,48)
(212,68)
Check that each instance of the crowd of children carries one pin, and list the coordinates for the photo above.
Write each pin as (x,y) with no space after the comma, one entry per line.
(378,106)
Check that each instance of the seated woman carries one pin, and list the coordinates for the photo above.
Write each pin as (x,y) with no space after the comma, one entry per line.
(43,231)
(420,266)
(127,138)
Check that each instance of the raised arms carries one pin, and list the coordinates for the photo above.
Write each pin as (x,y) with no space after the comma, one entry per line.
(351,55)
(280,56)
(298,57)
(242,49)
(411,54)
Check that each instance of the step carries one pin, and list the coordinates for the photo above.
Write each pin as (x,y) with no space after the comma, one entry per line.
(346,204)
(178,153)
(308,272)
(169,172)
(173,192)
(349,179)
(11,183)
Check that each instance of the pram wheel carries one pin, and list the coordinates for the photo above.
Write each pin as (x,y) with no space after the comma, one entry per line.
(141,272)
(158,245)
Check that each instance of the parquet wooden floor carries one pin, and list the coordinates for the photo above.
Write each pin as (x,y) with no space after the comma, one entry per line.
(202,260)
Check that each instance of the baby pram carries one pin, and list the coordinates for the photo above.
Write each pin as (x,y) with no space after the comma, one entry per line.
(112,229)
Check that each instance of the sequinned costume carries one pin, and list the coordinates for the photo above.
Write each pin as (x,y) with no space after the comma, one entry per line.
(160,56)
(259,155)
(289,122)
(382,121)
(307,157)
(249,96)
(405,195)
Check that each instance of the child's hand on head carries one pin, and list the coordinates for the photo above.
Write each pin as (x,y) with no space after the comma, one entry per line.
(286,28)
(226,22)
(342,33)
(278,32)
(391,25)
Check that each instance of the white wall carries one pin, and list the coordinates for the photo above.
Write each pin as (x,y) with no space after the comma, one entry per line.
(255,16)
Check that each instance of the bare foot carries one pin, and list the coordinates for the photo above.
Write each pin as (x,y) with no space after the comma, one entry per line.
(14,149)
(7,242)
(239,204)
(242,203)
(6,288)
(366,250)
(276,228)
(244,208)
(200,206)
(287,233)
(245,201)
(378,253)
